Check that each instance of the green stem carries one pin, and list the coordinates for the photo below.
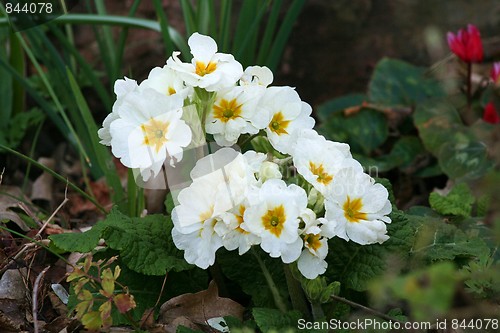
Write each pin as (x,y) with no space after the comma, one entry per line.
(218,277)
(317,311)
(278,301)
(297,296)
(469,117)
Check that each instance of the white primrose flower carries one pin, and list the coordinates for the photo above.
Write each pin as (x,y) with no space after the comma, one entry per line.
(261,167)
(319,160)
(232,232)
(208,69)
(200,245)
(122,88)
(166,81)
(233,174)
(357,208)
(273,215)
(235,111)
(149,129)
(311,262)
(287,114)
(257,75)
(195,218)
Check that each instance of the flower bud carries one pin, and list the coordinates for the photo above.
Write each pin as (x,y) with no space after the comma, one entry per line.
(269,170)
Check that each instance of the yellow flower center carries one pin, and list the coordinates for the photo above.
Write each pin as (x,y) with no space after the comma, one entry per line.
(239,218)
(278,124)
(171,91)
(274,220)
(227,110)
(155,133)
(207,214)
(312,241)
(352,210)
(202,69)
(319,171)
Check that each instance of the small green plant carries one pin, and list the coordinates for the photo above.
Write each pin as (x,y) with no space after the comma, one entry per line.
(97,294)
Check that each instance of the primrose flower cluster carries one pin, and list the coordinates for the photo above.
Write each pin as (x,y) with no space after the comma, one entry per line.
(236,199)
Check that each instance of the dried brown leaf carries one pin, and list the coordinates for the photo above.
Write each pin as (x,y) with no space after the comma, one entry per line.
(10,196)
(199,307)
(42,187)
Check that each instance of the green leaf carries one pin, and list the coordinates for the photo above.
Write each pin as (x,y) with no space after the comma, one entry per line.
(78,242)
(245,271)
(458,202)
(339,104)
(145,244)
(364,131)
(437,123)
(464,160)
(403,153)
(272,319)
(428,292)
(436,240)
(354,265)
(395,82)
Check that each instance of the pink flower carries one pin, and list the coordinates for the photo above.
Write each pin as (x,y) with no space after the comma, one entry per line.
(495,72)
(490,114)
(466,44)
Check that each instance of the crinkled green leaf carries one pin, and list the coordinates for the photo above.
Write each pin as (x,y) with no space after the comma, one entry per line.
(436,240)
(437,123)
(272,319)
(395,82)
(458,202)
(403,153)
(354,265)
(464,160)
(78,242)
(364,130)
(246,272)
(327,109)
(145,244)
(428,292)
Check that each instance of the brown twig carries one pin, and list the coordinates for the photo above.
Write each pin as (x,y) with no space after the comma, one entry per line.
(366,309)
(1,175)
(35,298)
(30,213)
(156,304)
(54,213)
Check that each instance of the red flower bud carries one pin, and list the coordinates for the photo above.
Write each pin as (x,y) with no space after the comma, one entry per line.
(490,114)
(495,72)
(467,44)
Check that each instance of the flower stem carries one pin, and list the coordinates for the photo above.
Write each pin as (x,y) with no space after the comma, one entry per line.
(297,296)
(278,301)
(468,118)
(317,311)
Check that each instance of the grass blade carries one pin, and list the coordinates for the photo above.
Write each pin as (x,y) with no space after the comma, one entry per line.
(102,154)
(89,73)
(130,22)
(267,39)
(108,47)
(6,90)
(284,33)
(188,13)
(205,15)
(55,175)
(167,41)
(225,25)
(123,35)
